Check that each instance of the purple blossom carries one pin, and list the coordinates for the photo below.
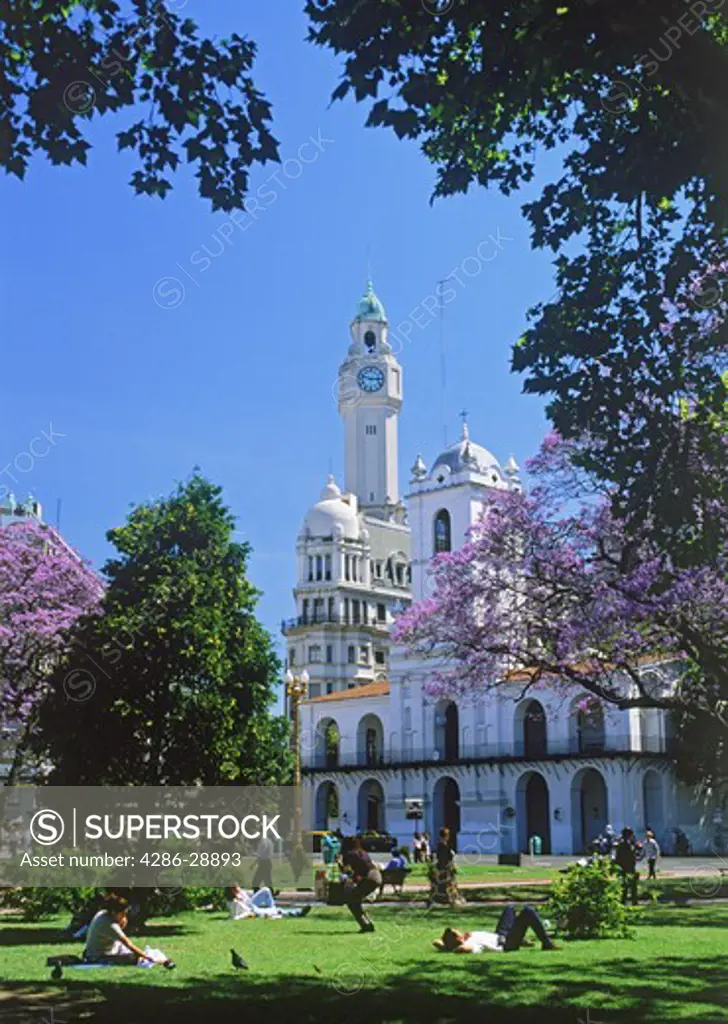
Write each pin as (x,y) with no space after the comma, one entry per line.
(549,590)
(44,589)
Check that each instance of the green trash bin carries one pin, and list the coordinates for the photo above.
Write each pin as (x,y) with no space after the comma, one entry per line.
(535,845)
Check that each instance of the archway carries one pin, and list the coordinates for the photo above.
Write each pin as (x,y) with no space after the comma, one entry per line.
(370,807)
(652,803)
(327,743)
(590,728)
(446,808)
(327,806)
(533,816)
(588,808)
(530,729)
(370,741)
(447,730)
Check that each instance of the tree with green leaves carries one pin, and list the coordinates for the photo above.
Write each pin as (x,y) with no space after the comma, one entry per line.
(64,64)
(172,683)
(630,94)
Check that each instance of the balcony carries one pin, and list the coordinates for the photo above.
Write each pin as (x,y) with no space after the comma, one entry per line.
(613,747)
(304,622)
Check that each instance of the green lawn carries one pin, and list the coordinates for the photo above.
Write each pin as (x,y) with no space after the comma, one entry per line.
(497,884)
(320,969)
(487,873)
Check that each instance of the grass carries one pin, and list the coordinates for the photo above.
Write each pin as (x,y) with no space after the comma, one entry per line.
(487,873)
(497,884)
(320,969)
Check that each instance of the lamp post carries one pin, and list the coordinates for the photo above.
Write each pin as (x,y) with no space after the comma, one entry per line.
(296,688)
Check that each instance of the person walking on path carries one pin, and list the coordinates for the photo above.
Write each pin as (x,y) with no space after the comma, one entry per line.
(652,852)
(443,873)
(364,878)
(263,874)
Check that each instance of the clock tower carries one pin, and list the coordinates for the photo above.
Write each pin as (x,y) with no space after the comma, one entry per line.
(370,397)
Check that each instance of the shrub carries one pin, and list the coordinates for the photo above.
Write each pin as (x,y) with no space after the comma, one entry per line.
(38,903)
(586,902)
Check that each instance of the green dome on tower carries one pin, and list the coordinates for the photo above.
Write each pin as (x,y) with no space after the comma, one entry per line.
(369,307)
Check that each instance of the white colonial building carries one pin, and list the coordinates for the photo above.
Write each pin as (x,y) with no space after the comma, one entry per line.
(498,770)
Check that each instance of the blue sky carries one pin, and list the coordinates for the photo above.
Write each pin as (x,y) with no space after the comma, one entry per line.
(238,377)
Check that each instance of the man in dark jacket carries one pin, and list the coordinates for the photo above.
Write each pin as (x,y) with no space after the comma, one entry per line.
(626,855)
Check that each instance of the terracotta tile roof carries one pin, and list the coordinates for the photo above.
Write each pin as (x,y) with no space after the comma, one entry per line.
(522,675)
(378,689)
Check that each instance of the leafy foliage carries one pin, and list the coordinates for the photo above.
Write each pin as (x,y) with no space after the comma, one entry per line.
(62,65)
(179,673)
(38,903)
(701,750)
(629,95)
(586,902)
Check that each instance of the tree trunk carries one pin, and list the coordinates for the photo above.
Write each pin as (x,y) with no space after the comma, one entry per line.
(20,747)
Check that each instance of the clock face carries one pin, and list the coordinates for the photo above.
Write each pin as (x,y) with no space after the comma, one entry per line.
(370,378)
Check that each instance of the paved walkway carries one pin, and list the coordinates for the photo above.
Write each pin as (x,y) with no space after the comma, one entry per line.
(685,868)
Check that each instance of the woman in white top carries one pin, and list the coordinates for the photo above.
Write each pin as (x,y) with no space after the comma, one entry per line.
(107,942)
(651,851)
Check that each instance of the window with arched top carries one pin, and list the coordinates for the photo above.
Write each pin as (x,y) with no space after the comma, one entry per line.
(443,533)
(370,340)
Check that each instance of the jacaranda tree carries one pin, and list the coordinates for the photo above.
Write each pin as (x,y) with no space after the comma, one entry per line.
(45,590)
(551,589)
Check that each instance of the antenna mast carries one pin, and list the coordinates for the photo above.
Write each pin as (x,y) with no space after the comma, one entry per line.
(443,368)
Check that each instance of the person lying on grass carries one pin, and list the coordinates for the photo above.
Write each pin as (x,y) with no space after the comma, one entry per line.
(507,937)
(107,943)
(241,904)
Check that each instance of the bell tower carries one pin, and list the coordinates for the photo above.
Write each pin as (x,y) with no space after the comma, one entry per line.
(370,397)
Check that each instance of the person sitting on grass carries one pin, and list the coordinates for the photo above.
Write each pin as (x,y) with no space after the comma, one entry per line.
(507,937)
(241,903)
(107,943)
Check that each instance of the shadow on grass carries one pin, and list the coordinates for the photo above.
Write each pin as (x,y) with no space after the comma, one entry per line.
(32,935)
(680,915)
(229,1000)
(524,990)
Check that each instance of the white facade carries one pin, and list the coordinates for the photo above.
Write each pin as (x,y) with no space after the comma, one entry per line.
(498,769)
(497,772)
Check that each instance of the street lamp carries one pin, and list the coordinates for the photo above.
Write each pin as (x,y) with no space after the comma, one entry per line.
(296,688)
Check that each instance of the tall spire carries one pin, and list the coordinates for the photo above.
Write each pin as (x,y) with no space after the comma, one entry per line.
(464,417)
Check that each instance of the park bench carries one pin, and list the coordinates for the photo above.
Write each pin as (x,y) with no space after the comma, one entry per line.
(396,877)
